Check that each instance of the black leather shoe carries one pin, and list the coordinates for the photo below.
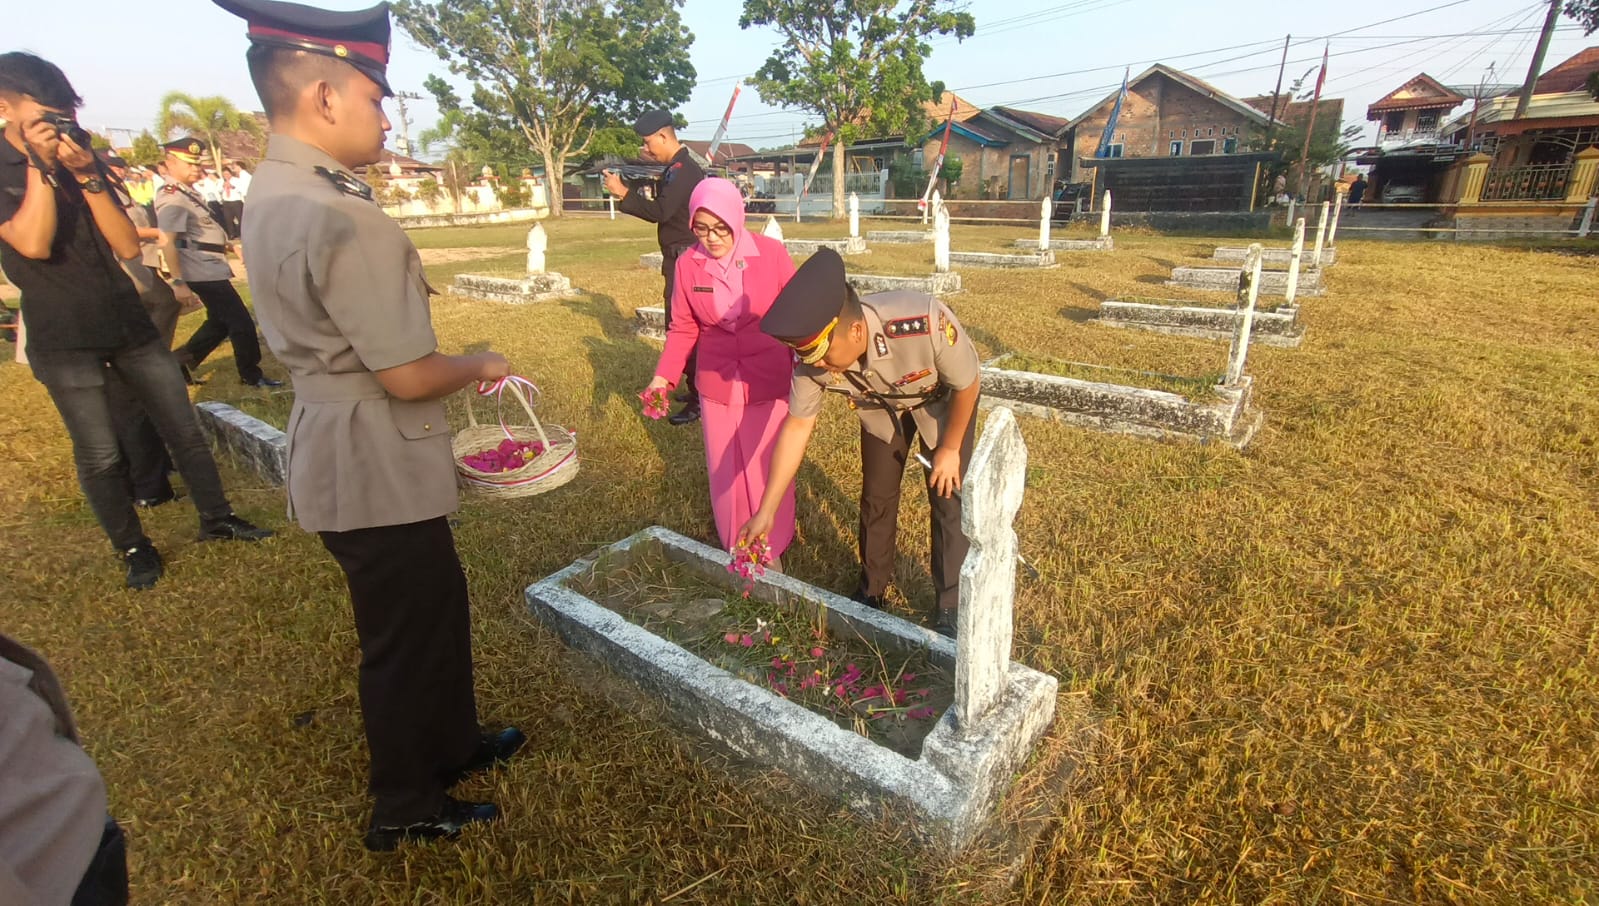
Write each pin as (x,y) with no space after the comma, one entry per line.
(150,503)
(263,382)
(144,566)
(492,749)
(455,815)
(232,528)
(684,395)
(688,414)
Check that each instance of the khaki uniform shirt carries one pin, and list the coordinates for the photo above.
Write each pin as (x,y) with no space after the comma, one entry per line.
(917,355)
(181,212)
(339,291)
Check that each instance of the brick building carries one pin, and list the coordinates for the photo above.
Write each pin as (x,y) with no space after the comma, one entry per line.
(1005,153)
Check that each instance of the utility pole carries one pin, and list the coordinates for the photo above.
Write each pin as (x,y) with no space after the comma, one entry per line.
(1277,92)
(1537,59)
(403,143)
(1476,102)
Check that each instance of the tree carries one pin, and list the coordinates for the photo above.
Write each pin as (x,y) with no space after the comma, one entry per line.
(204,117)
(1328,144)
(146,151)
(855,63)
(1585,12)
(553,71)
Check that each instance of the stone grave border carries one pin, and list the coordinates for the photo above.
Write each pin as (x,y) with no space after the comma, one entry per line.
(1045,244)
(537,285)
(650,322)
(952,788)
(248,441)
(942,282)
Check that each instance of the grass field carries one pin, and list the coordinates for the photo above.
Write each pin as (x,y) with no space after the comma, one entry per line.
(1356,664)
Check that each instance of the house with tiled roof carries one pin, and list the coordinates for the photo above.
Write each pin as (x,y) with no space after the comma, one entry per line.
(1561,119)
(1413,113)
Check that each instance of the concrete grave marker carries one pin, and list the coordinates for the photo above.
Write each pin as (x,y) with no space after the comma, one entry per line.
(1045,209)
(1321,235)
(1248,294)
(991,494)
(1339,195)
(1294,254)
(538,242)
(940,238)
(1104,217)
(773,229)
(854,216)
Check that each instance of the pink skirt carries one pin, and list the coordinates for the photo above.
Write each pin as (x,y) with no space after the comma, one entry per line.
(738,454)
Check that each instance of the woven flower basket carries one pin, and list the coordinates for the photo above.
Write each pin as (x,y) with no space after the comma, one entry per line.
(555,465)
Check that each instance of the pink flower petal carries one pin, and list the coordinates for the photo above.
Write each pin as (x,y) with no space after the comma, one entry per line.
(818,652)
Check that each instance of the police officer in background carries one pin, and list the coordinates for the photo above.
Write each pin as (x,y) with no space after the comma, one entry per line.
(344,305)
(665,204)
(195,247)
(906,367)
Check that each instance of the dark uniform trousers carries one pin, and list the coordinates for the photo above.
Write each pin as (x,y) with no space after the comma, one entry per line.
(882,472)
(669,258)
(140,442)
(226,318)
(413,622)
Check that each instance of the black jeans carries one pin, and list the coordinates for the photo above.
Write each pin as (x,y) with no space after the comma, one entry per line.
(669,258)
(226,318)
(139,441)
(77,384)
(414,626)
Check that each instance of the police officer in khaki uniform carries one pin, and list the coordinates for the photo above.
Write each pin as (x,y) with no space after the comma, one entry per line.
(906,367)
(195,246)
(344,305)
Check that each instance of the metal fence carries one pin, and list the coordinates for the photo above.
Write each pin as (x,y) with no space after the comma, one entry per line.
(1540,182)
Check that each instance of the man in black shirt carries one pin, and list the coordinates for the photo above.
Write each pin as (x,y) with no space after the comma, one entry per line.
(62,235)
(665,204)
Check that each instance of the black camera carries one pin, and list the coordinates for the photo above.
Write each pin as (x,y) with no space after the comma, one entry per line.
(67,126)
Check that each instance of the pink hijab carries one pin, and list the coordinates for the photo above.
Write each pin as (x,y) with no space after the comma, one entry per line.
(724,201)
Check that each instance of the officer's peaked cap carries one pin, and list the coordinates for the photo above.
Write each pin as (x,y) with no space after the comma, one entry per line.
(358,37)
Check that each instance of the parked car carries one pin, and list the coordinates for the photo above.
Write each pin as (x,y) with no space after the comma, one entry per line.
(1404,193)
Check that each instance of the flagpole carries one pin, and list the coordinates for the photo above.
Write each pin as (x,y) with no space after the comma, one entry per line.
(816,163)
(938,163)
(721,129)
(1103,150)
(1310,130)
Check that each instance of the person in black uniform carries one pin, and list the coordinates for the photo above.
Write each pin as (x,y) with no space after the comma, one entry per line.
(665,204)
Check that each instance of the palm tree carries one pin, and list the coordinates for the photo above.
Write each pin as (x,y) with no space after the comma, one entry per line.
(203,117)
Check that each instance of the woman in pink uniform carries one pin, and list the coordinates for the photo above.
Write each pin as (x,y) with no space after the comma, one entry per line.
(722,287)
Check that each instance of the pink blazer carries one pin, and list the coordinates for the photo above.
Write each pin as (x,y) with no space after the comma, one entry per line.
(740,352)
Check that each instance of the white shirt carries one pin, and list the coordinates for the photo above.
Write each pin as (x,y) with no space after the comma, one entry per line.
(210,188)
(238,186)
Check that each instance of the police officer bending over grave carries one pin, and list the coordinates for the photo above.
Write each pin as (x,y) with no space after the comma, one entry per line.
(906,367)
(665,204)
(344,306)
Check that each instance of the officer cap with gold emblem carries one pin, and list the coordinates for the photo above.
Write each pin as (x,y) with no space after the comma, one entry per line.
(187,149)
(358,37)
(805,314)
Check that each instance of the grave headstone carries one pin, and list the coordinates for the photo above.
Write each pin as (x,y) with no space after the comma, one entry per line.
(1294,255)
(538,242)
(1248,294)
(773,229)
(854,216)
(991,494)
(1104,217)
(1321,235)
(940,239)
(1339,196)
(1044,211)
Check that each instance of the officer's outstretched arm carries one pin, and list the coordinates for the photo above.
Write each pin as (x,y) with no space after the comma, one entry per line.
(787,454)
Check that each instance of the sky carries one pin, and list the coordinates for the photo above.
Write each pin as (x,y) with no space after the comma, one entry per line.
(1053,56)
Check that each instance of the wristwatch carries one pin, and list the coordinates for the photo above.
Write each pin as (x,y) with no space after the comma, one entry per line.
(92,185)
(178,281)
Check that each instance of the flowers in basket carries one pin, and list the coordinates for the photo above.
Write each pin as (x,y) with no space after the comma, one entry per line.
(655,404)
(508,456)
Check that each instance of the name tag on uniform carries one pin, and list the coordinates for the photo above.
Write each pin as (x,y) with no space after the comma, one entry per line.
(704,289)
(913,377)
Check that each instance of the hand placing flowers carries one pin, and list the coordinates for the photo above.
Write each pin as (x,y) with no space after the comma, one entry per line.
(654,399)
(750,559)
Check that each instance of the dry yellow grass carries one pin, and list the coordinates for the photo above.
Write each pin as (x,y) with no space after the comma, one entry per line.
(1356,664)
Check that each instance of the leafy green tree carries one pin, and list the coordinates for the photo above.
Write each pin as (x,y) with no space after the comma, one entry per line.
(909,180)
(553,71)
(204,117)
(146,151)
(855,63)
(1331,141)
(1585,12)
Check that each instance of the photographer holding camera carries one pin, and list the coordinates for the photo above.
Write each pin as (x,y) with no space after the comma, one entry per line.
(664,202)
(62,239)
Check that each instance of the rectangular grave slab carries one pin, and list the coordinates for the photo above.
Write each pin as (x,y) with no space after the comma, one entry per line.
(1123,410)
(951,789)
(1225,279)
(515,290)
(1273,328)
(1102,244)
(932,284)
(251,442)
(853,245)
(650,322)
(999,259)
(1329,256)
(899,236)
(650,261)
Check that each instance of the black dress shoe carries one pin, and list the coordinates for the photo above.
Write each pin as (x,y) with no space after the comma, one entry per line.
(686,415)
(492,749)
(144,566)
(455,815)
(150,503)
(263,382)
(684,395)
(232,528)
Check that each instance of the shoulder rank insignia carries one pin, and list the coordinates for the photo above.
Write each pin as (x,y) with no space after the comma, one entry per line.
(881,344)
(346,183)
(170,188)
(907,327)
(913,377)
(947,328)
